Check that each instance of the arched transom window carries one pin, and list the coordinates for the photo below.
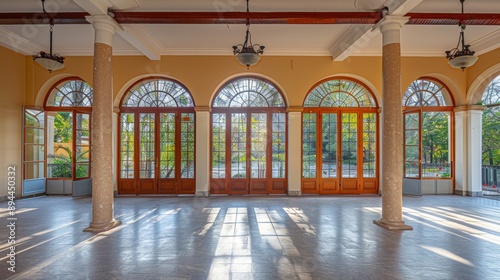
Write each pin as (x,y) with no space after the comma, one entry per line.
(157,139)
(424,92)
(71,93)
(249,92)
(158,93)
(248,138)
(340,93)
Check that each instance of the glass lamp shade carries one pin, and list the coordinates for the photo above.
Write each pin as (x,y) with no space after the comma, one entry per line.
(50,62)
(248,58)
(463,61)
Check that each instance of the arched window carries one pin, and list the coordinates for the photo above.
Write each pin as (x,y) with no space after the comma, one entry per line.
(157,136)
(68,106)
(339,139)
(428,113)
(248,138)
(491,128)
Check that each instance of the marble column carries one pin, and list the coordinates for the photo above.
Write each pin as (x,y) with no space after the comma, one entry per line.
(202,151)
(468,150)
(294,151)
(102,120)
(392,130)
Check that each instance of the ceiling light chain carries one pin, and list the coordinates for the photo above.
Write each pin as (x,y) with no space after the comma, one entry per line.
(247,53)
(464,57)
(49,61)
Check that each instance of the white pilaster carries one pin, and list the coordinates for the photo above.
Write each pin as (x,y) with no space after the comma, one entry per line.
(294,151)
(202,151)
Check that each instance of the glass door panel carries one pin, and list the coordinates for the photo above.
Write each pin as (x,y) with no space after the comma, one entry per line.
(127,146)
(349,145)
(309,145)
(369,145)
(278,145)
(167,145)
(218,146)
(329,146)
(258,145)
(187,145)
(238,145)
(412,145)
(147,145)
(82,145)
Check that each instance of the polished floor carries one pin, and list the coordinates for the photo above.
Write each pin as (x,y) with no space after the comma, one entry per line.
(255,237)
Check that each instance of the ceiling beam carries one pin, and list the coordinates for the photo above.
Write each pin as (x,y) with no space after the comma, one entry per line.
(18,43)
(356,38)
(137,36)
(257,18)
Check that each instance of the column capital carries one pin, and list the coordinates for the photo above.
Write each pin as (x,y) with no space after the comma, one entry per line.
(105,27)
(469,108)
(199,109)
(390,27)
(295,109)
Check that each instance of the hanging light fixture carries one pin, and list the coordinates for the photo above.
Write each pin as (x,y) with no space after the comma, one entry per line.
(49,61)
(248,54)
(461,57)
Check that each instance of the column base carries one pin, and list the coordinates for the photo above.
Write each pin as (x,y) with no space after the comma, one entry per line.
(393,226)
(100,227)
(202,193)
(294,193)
(469,193)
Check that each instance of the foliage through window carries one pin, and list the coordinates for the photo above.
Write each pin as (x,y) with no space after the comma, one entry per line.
(68,109)
(491,123)
(427,130)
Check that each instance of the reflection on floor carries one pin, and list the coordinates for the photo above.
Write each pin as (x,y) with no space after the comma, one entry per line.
(252,237)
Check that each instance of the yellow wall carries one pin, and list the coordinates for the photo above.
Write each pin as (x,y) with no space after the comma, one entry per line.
(24,82)
(202,75)
(12,85)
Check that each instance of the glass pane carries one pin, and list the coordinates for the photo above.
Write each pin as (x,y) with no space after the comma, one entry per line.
(249,92)
(34,135)
(34,118)
(127,146)
(33,153)
(412,145)
(349,145)
(329,147)
(424,93)
(279,145)
(187,145)
(158,93)
(339,93)
(435,144)
(33,170)
(74,93)
(369,145)
(59,157)
(309,145)
(146,145)
(82,145)
(258,145)
(218,145)
(238,145)
(167,145)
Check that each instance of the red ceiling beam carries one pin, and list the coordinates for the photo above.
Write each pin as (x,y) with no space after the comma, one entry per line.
(256,18)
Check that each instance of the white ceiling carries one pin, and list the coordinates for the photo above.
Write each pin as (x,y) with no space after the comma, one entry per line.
(217,39)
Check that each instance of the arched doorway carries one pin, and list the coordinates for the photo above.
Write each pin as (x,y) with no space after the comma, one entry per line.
(428,138)
(68,107)
(157,139)
(340,139)
(491,139)
(248,138)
